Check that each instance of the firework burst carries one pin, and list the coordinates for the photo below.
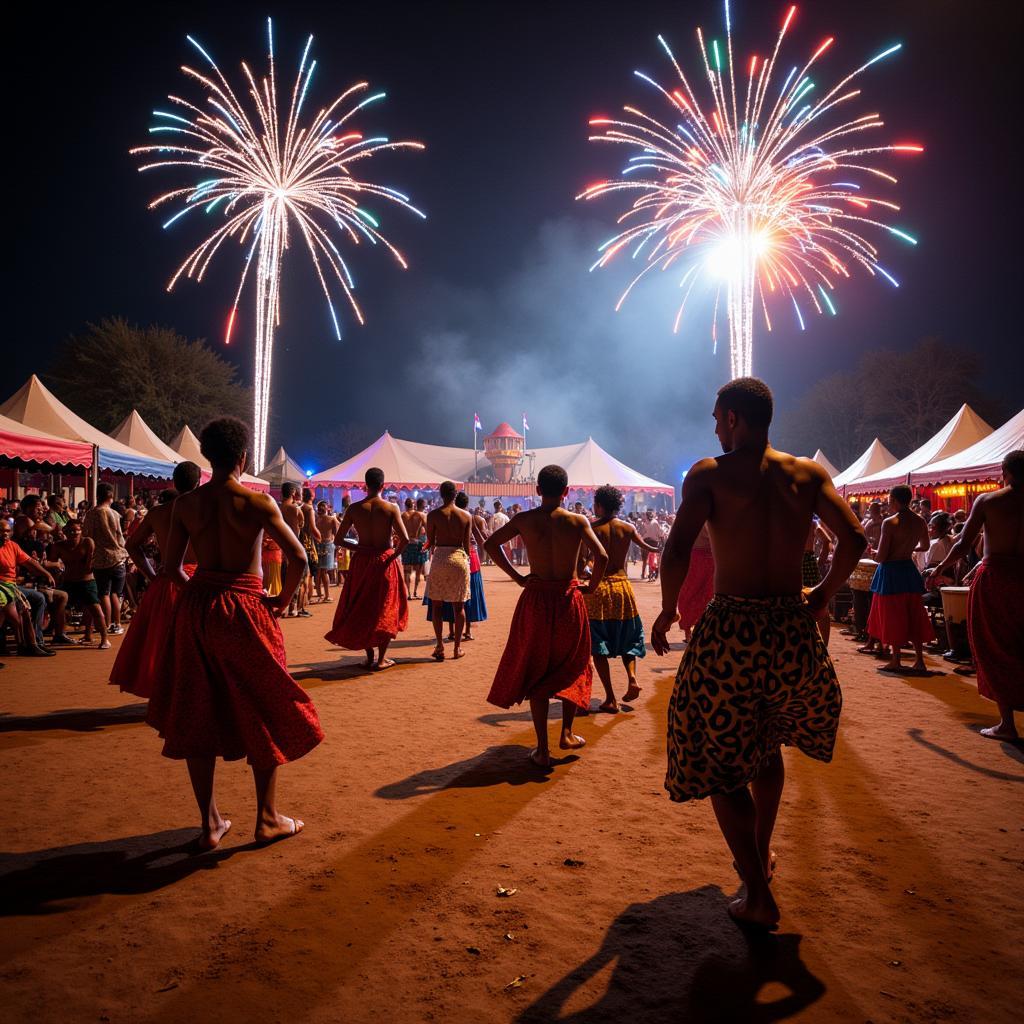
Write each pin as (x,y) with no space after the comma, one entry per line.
(761,191)
(270,180)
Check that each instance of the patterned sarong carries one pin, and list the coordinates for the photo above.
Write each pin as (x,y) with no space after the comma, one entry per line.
(755,675)
(373,607)
(222,688)
(449,575)
(616,629)
(548,649)
(415,552)
(995,624)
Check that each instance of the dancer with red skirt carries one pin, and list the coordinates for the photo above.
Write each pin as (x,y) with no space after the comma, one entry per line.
(373,608)
(995,605)
(897,613)
(548,649)
(223,688)
(142,649)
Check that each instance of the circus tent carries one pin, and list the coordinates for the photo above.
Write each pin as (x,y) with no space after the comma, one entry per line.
(873,459)
(823,460)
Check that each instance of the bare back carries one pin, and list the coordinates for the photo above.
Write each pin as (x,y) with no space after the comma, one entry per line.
(158,521)
(553,538)
(758,508)
(902,535)
(449,527)
(415,523)
(77,559)
(1002,513)
(616,536)
(375,520)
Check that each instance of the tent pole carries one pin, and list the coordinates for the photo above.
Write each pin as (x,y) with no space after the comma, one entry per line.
(95,478)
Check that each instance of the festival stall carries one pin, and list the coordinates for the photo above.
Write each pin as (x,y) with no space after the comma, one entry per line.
(873,459)
(186,444)
(34,405)
(280,468)
(960,432)
(958,479)
(823,460)
(26,450)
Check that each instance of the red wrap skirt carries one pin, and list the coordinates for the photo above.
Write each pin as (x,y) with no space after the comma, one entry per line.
(373,607)
(548,649)
(142,651)
(698,588)
(995,624)
(223,689)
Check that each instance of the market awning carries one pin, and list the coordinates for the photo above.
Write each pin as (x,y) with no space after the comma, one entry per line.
(18,441)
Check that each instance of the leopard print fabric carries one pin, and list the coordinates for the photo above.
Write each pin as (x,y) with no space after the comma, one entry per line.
(755,675)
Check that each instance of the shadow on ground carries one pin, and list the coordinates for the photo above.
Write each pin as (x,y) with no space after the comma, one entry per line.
(55,880)
(680,958)
(75,719)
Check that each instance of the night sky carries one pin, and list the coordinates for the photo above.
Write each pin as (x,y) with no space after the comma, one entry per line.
(497,312)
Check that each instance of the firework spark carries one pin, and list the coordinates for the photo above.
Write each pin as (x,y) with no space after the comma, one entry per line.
(749,191)
(269,177)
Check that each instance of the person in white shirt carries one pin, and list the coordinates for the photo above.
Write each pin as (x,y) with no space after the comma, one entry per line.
(651,531)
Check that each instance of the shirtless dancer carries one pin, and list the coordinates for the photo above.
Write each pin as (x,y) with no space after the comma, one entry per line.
(326,550)
(309,538)
(548,649)
(995,606)
(223,689)
(726,721)
(76,552)
(373,608)
(143,648)
(616,630)
(449,532)
(414,558)
(897,612)
(291,510)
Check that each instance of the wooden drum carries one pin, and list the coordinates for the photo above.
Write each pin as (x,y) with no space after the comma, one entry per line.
(860,578)
(954,604)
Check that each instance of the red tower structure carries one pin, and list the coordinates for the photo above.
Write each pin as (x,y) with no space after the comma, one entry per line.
(504,450)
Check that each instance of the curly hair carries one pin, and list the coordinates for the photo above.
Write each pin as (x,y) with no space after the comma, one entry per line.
(609,498)
(224,441)
(552,481)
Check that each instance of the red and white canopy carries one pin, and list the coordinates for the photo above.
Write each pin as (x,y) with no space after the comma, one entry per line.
(18,441)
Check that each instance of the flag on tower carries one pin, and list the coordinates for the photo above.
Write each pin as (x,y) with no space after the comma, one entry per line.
(477,425)
(526,426)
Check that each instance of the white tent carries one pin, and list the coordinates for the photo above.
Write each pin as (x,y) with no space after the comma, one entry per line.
(136,432)
(186,444)
(590,466)
(280,468)
(875,458)
(400,464)
(823,460)
(36,406)
(981,461)
(963,430)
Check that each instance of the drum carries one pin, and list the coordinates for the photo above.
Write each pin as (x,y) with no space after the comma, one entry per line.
(860,578)
(954,611)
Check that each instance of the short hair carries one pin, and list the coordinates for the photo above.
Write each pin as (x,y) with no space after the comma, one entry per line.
(1013,467)
(901,494)
(552,481)
(749,398)
(186,477)
(421,503)
(408,503)
(307,494)
(609,498)
(73,523)
(462,500)
(374,478)
(168,494)
(447,490)
(29,502)
(104,492)
(942,520)
(224,441)
(288,489)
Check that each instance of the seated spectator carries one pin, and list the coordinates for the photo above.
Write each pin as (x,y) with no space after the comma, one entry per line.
(30,605)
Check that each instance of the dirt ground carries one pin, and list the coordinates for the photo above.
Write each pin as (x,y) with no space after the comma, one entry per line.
(900,876)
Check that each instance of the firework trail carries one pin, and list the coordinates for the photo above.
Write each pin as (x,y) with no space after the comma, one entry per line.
(270,179)
(761,190)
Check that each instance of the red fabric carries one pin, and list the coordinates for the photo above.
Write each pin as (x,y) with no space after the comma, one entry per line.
(474,559)
(899,619)
(698,588)
(548,648)
(222,688)
(33,448)
(11,556)
(651,560)
(373,607)
(995,625)
(142,649)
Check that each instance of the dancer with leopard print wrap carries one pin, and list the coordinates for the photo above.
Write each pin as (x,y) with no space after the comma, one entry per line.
(756,673)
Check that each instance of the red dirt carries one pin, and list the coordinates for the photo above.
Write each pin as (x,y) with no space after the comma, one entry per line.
(899,876)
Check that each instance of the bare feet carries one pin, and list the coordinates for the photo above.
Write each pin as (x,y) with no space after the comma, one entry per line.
(609,707)
(769,868)
(438,654)
(458,653)
(468,636)
(570,741)
(1000,732)
(539,759)
(763,913)
(210,839)
(381,665)
(282,828)
(632,693)
(104,645)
